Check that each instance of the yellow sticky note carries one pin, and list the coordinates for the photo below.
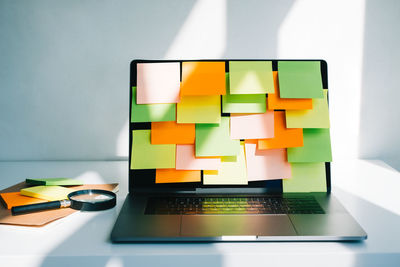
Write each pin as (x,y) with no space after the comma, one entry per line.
(229,172)
(199,109)
(317,117)
(49,192)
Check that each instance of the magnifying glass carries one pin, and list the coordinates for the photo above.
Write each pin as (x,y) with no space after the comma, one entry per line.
(86,200)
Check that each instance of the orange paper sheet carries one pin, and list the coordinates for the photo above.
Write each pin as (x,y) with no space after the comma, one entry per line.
(275,102)
(283,137)
(170,132)
(13,199)
(177,176)
(203,78)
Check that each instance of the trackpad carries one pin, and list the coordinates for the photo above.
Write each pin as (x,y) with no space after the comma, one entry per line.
(217,225)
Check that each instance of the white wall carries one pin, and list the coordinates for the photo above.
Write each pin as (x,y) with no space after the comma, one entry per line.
(64,69)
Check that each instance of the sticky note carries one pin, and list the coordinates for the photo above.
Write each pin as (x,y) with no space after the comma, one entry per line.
(316,147)
(177,176)
(250,103)
(13,199)
(306,177)
(186,159)
(170,132)
(151,112)
(53,181)
(199,109)
(51,192)
(317,117)
(268,164)
(203,78)
(230,172)
(158,83)
(251,77)
(214,140)
(252,126)
(276,102)
(283,137)
(147,156)
(300,79)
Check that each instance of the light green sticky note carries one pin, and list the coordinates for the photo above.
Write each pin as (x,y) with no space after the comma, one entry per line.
(242,103)
(230,171)
(53,181)
(151,112)
(199,109)
(316,148)
(251,77)
(51,193)
(306,177)
(317,117)
(147,156)
(214,140)
(300,79)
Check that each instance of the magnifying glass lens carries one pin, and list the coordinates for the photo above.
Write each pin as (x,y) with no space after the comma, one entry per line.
(91,197)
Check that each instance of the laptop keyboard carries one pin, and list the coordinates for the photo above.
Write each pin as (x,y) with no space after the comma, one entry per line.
(233,205)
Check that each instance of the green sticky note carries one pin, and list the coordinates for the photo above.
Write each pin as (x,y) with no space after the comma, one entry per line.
(317,117)
(151,112)
(199,109)
(316,148)
(306,177)
(251,77)
(300,79)
(242,103)
(53,181)
(214,140)
(231,171)
(51,192)
(147,156)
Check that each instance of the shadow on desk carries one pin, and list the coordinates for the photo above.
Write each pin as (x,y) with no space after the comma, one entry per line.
(379,250)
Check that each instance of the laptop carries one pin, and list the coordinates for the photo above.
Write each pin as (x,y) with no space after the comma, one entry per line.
(230,150)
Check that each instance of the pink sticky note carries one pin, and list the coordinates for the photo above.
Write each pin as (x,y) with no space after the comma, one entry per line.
(252,126)
(186,160)
(158,83)
(269,164)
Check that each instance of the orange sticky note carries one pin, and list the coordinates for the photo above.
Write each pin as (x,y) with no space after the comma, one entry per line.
(283,137)
(170,132)
(16,199)
(177,176)
(203,78)
(275,102)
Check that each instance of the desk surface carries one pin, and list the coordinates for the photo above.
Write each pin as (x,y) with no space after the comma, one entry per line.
(368,189)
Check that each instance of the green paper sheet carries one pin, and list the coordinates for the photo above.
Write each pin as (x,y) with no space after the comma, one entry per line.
(251,77)
(214,140)
(230,171)
(151,112)
(147,156)
(317,117)
(300,79)
(243,103)
(317,147)
(306,177)
(53,181)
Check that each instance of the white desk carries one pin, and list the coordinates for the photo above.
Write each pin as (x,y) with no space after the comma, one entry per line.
(368,189)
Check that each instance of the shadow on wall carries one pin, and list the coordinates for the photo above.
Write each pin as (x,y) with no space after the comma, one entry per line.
(65,75)
(252,28)
(379,122)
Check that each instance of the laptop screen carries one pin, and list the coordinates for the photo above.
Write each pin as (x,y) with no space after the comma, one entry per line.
(228,124)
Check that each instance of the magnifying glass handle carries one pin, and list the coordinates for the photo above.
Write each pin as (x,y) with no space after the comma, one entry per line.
(18,210)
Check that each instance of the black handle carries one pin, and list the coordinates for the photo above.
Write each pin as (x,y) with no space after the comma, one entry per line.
(18,210)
